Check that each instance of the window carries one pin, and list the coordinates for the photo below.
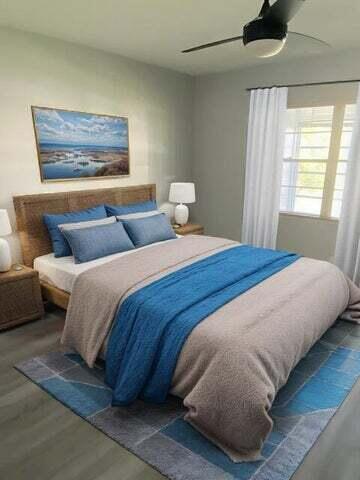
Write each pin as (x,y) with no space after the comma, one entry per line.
(317,144)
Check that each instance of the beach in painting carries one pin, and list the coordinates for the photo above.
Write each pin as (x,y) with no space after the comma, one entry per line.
(68,161)
(75,145)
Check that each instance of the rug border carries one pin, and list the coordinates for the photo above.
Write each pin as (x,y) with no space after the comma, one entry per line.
(88,421)
(323,431)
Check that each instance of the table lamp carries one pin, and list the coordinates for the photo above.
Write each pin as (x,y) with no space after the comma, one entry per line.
(182,193)
(5,229)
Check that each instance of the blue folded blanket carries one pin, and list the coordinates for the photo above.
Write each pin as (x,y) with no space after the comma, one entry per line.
(153,323)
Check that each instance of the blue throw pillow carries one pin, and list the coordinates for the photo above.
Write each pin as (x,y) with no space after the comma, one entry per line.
(52,222)
(144,231)
(96,242)
(114,210)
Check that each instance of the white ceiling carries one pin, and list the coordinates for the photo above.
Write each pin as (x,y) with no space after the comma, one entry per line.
(155,31)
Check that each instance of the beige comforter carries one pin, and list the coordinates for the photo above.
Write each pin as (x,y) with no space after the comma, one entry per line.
(235,361)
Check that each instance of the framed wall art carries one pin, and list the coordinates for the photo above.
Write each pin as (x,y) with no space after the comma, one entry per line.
(80,146)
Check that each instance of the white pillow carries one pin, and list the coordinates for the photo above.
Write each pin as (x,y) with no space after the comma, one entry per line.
(89,223)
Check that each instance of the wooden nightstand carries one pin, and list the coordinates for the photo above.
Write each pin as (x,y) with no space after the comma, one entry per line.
(190,229)
(20,297)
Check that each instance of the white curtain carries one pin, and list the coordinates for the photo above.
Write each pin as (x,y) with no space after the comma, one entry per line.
(347,252)
(264,158)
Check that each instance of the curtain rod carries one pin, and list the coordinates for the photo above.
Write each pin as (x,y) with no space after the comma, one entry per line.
(333,82)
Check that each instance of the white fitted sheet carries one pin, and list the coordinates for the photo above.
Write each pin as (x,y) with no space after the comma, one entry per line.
(62,272)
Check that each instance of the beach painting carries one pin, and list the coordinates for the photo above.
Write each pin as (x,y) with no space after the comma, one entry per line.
(79,146)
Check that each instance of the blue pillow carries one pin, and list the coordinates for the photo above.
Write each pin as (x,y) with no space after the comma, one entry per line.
(114,210)
(52,222)
(96,242)
(144,231)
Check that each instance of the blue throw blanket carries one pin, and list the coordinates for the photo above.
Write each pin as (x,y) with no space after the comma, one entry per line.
(153,323)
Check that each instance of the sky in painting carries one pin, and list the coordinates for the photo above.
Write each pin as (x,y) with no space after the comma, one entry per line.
(75,128)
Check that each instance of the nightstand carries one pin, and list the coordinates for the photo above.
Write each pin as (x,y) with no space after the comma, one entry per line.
(20,297)
(190,229)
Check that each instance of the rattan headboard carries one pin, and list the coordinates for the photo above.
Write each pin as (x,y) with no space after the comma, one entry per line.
(29,210)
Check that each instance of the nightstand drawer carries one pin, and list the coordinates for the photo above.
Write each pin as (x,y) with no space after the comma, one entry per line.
(199,231)
(20,299)
(190,229)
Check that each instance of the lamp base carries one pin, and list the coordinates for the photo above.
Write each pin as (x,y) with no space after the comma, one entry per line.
(181,214)
(5,256)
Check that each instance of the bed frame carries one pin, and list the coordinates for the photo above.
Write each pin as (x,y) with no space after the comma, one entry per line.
(34,237)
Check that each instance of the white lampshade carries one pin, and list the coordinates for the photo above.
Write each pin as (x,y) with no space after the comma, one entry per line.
(5,227)
(182,193)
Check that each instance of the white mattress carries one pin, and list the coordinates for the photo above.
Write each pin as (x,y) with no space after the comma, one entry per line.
(62,272)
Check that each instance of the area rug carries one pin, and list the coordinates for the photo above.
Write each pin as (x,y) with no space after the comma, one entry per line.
(159,435)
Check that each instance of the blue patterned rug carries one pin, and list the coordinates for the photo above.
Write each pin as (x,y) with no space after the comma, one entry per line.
(160,436)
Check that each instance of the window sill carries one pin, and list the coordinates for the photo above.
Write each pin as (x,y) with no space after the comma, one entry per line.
(308,216)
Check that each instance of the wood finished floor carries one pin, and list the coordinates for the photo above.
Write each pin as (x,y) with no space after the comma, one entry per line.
(40,439)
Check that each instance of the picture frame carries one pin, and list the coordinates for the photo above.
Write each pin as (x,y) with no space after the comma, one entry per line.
(74,145)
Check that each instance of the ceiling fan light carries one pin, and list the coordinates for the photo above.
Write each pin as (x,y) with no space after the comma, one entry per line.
(266,47)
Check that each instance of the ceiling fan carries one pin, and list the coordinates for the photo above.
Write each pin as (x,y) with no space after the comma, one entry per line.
(266,35)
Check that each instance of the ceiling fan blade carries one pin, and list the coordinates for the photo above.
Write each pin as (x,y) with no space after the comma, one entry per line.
(282,11)
(265,7)
(311,38)
(212,44)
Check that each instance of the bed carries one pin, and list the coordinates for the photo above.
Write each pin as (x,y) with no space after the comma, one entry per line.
(242,330)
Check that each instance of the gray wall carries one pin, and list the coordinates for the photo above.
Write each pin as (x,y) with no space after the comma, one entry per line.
(220,126)
(180,128)
(37,70)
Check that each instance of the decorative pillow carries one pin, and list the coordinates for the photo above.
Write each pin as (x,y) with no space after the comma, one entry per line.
(96,242)
(131,216)
(144,231)
(115,210)
(52,222)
